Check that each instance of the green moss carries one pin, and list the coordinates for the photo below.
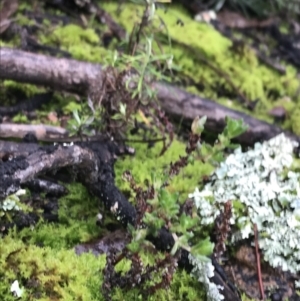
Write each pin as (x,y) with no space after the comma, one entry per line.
(28,89)
(71,107)
(24,5)
(208,57)
(46,22)
(23,20)
(295,120)
(51,267)
(54,272)
(5,44)
(83,44)
(48,274)
(147,161)
(20,118)
(11,89)
(183,287)
(77,221)
(284,28)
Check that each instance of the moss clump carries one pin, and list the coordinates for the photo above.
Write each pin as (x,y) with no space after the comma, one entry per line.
(295,120)
(20,118)
(83,44)
(183,287)
(48,274)
(28,89)
(147,161)
(77,221)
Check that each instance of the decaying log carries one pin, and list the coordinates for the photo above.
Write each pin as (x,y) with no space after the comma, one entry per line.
(21,169)
(82,78)
(92,161)
(52,189)
(12,149)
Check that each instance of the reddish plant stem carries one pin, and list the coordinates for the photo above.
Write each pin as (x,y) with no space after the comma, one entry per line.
(261,287)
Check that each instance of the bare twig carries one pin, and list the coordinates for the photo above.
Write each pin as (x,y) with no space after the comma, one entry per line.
(261,287)
(41,131)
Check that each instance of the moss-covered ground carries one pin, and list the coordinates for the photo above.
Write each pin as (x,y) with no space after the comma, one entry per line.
(42,258)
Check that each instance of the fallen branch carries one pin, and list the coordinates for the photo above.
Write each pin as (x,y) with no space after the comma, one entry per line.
(40,131)
(85,79)
(56,73)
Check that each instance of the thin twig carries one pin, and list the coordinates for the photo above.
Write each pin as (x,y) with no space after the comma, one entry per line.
(261,288)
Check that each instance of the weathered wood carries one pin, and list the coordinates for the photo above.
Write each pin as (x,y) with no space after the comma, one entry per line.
(82,78)
(182,104)
(93,162)
(56,73)
(12,149)
(40,131)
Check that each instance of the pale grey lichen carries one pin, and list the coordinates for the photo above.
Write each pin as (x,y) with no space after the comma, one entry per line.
(10,203)
(203,270)
(263,192)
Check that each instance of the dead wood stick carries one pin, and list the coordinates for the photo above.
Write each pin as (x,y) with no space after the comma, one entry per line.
(57,73)
(18,171)
(82,78)
(40,131)
(179,103)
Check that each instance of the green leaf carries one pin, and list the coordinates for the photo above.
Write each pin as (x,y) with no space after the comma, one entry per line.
(88,120)
(203,247)
(206,149)
(234,127)
(154,202)
(185,223)
(153,221)
(182,242)
(117,116)
(217,157)
(134,246)
(198,125)
(123,109)
(91,105)
(168,202)
(191,159)
(76,116)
